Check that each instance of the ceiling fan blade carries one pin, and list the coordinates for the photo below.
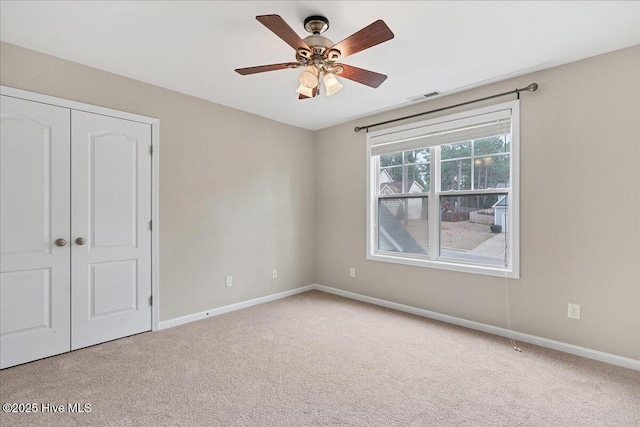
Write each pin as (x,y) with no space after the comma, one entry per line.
(369,36)
(263,68)
(281,29)
(359,75)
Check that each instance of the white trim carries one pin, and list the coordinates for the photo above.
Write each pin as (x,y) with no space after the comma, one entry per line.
(155,173)
(74,105)
(372,166)
(531,339)
(232,307)
(514,192)
(441,264)
(462,193)
(155,220)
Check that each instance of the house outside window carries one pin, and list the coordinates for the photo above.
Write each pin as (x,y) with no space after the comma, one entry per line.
(444,193)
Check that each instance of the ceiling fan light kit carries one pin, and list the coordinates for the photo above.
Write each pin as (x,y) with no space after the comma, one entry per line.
(319,55)
(332,84)
(309,77)
(305,91)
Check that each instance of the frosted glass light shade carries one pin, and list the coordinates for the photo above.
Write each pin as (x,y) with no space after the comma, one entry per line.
(309,77)
(306,91)
(332,84)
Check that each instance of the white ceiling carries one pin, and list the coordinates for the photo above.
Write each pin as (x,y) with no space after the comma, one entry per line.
(194,47)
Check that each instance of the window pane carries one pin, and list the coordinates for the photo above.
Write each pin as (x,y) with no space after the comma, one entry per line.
(455,151)
(418,177)
(392,159)
(491,172)
(402,225)
(474,228)
(455,175)
(417,156)
(493,145)
(390,180)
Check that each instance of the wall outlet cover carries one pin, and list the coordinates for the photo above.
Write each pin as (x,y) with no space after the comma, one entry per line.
(573,311)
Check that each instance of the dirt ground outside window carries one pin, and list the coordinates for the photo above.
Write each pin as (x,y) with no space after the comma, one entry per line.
(460,235)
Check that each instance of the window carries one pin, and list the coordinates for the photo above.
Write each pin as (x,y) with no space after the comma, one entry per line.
(443,193)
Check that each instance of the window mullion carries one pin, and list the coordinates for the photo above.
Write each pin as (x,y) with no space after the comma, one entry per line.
(405,178)
(434,211)
(473,165)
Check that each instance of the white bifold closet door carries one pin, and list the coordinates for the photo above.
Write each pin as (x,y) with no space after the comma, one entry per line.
(111,233)
(34,214)
(75,237)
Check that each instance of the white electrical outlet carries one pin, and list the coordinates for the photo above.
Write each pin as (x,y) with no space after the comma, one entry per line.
(574,311)
(228,281)
(275,273)
(352,272)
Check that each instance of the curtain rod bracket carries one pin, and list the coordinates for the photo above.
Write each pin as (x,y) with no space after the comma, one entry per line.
(530,88)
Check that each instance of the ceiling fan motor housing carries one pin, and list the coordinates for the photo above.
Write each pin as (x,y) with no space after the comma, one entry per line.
(318,43)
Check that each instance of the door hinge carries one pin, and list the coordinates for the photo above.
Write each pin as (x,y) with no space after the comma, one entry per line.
(151,300)
(150,225)
(151,150)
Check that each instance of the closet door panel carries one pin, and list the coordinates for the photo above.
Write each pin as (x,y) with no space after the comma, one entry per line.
(34,214)
(111,211)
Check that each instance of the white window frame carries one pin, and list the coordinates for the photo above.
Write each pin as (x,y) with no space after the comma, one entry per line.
(431,261)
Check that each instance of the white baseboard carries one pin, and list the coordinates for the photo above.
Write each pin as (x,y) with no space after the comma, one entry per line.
(232,307)
(531,339)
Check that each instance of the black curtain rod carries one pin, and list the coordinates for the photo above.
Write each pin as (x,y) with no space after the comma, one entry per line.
(531,88)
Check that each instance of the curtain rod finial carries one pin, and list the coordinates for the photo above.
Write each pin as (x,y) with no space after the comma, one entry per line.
(532,87)
(357,129)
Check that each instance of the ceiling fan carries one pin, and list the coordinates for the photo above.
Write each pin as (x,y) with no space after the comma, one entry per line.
(319,55)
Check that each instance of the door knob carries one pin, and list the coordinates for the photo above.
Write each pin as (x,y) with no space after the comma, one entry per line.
(81,241)
(61,242)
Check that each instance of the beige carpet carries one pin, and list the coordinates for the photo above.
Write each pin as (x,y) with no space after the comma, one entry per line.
(318,359)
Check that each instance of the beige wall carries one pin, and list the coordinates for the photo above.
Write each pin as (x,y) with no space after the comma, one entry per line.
(237,190)
(580,194)
(239,196)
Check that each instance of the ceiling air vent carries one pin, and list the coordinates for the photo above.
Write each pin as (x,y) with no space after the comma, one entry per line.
(424,96)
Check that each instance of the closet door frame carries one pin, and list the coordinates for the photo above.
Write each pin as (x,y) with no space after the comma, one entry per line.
(155,174)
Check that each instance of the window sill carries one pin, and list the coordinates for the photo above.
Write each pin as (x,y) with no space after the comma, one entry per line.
(446,265)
